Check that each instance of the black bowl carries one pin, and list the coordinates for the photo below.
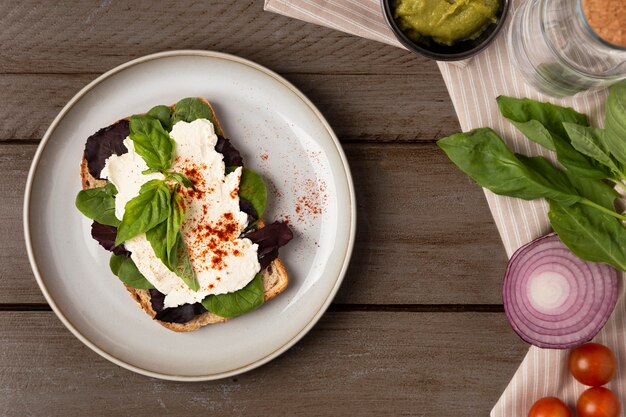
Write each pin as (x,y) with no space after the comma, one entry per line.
(440,52)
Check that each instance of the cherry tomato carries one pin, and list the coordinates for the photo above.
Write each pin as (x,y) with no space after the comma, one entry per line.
(592,364)
(598,402)
(549,407)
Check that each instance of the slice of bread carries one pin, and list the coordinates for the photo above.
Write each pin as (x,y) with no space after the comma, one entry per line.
(275,278)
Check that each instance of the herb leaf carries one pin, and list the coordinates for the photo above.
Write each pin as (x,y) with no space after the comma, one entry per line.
(180,263)
(145,211)
(152,142)
(536,132)
(192,108)
(591,142)
(179,178)
(163,237)
(239,302)
(99,204)
(549,115)
(595,190)
(543,123)
(591,235)
(252,188)
(163,114)
(482,155)
(615,121)
(127,272)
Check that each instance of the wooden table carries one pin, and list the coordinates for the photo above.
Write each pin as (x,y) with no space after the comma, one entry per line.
(417,328)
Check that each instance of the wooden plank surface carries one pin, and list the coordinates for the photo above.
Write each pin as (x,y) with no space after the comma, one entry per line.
(80,36)
(414,251)
(356,106)
(410,364)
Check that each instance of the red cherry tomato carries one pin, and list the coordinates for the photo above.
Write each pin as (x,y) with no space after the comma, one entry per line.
(592,364)
(549,407)
(598,402)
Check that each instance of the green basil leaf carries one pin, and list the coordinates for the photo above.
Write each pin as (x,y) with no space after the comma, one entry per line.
(147,210)
(590,141)
(589,234)
(239,302)
(99,204)
(615,121)
(127,272)
(577,163)
(163,237)
(152,142)
(252,188)
(543,123)
(536,132)
(192,108)
(163,114)
(179,178)
(549,115)
(483,155)
(181,264)
(595,190)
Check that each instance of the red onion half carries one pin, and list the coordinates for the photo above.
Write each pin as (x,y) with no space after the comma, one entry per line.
(555,300)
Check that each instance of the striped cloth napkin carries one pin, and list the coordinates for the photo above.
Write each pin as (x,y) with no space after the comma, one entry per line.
(473,88)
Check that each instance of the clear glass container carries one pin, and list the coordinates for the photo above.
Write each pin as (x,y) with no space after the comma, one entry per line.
(557,52)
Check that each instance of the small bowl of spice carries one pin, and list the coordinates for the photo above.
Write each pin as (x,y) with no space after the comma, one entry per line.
(446,30)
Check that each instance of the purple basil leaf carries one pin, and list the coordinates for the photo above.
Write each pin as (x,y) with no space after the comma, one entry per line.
(269,239)
(104,143)
(232,157)
(105,236)
(248,208)
(180,314)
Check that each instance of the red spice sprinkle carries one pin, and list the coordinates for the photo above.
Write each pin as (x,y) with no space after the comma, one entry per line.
(265,157)
(314,200)
(213,242)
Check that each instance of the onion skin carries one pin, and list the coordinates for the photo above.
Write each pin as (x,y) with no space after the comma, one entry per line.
(585,294)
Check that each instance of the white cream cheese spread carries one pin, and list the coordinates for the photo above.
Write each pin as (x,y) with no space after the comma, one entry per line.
(213,221)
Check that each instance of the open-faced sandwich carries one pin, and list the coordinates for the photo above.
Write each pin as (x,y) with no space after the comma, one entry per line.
(172,201)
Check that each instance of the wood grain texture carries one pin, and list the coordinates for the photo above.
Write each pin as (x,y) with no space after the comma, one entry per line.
(409,364)
(356,106)
(93,36)
(424,234)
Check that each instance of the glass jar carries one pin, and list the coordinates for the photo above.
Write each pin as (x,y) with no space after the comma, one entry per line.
(558,53)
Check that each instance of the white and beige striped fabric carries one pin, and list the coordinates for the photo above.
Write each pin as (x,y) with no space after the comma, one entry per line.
(473,88)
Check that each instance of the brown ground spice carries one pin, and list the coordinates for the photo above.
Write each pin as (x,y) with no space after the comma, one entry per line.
(607,18)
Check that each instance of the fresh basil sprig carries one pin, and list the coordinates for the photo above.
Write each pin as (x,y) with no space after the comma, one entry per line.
(152,142)
(150,208)
(543,123)
(483,155)
(169,245)
(239,302)
(99,204)
(155,145)
(582,203)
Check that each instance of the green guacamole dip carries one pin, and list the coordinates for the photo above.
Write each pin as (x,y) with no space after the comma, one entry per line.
(445,21)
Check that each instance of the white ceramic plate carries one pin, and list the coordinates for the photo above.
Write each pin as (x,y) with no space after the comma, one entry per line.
(279,133)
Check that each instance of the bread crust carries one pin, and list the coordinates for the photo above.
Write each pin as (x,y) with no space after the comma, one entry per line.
(275,278)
